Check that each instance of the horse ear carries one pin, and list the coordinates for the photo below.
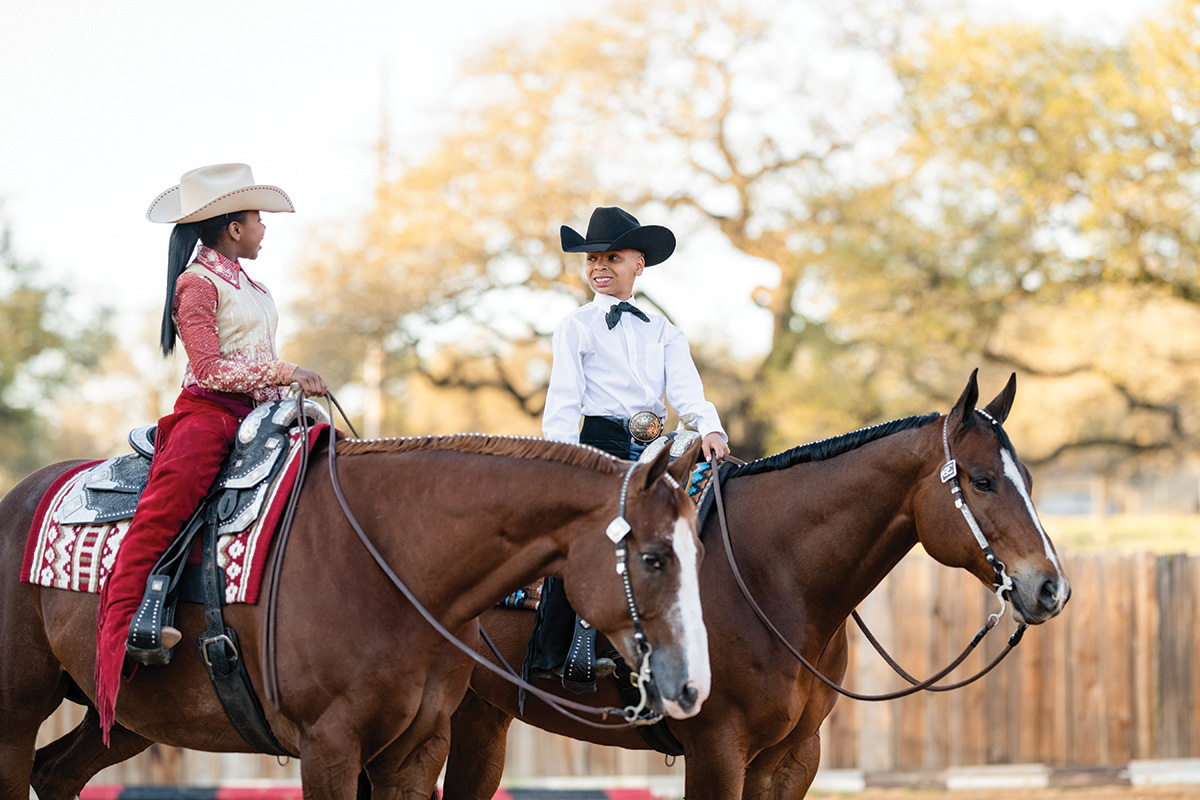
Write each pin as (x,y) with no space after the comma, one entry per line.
(1002,403)
(965,407)
(654,470)
(681,468)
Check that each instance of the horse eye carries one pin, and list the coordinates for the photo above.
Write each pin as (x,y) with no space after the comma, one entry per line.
(654,562)
(983,484)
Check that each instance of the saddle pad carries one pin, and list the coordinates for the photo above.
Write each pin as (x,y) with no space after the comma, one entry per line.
(79,557)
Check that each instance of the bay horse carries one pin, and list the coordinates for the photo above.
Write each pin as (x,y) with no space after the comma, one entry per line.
(364,681)
(813,530)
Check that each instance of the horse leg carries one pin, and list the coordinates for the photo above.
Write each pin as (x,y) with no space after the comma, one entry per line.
(408,768)
(478,741)
(32,686)
(715,765)
(402,772)
(62,768)
(333,753)
(783,772)
(329,766)
(398,774)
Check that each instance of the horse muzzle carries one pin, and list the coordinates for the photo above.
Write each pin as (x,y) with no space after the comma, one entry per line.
(674,690)
(1038,598)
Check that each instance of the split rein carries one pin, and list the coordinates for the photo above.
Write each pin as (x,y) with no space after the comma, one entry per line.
(618,531)
(1003,584)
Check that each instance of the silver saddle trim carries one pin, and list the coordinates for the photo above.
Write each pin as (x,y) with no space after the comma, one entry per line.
(109,491)
(679,440)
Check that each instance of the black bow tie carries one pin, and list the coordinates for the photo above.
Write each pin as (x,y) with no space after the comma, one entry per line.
(614,314)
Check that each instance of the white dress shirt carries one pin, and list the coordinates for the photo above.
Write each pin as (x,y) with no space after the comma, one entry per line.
(599,372)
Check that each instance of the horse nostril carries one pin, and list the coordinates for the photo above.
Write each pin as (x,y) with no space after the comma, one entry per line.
(687,699)
(1048,595)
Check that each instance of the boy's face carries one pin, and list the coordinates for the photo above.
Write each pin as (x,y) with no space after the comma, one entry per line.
(613,272)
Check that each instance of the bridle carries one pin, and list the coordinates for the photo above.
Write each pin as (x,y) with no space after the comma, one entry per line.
(949,474)
(1003,584)
(618,531)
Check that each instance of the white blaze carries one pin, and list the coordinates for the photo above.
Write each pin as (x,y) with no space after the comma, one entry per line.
(1014,474)
(690,619)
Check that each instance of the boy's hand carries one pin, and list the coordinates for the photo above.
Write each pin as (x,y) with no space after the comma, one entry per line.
(714,445)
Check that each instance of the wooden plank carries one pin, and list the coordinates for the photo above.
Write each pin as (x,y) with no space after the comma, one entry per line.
(911,589)
(875,732)
(1057,704)
(1117,659)
(1175,671)
(975,603)
(1144,647)
(1029,709)
(1087,696)
(943,708)
(1193,657)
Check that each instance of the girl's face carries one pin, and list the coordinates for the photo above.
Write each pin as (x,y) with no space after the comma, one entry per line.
(613,272)
(245,236)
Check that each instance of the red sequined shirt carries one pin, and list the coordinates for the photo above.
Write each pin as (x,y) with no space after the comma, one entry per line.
(227,324)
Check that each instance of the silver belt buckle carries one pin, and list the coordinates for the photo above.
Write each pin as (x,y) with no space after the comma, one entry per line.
(645,426)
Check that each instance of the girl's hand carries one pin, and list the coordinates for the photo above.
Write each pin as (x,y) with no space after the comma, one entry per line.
(312,383)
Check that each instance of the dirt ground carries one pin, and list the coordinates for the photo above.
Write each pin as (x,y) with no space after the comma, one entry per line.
(1182,792)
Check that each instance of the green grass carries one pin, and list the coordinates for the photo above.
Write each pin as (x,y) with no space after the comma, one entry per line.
(1149,533)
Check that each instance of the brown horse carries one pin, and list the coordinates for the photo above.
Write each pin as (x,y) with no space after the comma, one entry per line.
(814,530)
(363,680)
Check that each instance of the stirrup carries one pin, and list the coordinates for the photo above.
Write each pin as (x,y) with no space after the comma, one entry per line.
(146,644)
(579,670)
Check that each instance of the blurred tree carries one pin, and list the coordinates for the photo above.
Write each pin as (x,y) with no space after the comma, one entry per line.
(755,125)
(1055,180)
(932,199)
(43,349)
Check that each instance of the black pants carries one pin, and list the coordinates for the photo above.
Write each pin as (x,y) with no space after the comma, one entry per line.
(555,623)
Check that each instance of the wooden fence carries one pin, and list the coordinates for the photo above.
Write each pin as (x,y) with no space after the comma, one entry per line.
(1116,677)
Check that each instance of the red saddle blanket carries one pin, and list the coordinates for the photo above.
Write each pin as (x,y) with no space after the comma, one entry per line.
(79,557)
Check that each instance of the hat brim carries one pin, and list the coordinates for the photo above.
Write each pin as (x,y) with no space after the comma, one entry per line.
(655,242)
(166,207)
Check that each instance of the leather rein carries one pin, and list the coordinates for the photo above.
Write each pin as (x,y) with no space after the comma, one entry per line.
(1003,584)
(618,531)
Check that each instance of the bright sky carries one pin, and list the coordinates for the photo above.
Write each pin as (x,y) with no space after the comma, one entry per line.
(104,104)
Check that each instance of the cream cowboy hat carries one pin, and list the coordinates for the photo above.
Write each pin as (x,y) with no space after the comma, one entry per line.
(209,192)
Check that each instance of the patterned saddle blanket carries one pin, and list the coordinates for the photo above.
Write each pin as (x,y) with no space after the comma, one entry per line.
(85,514)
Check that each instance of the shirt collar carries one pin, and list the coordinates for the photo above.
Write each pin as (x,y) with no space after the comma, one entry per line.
(225,269)
(606,301)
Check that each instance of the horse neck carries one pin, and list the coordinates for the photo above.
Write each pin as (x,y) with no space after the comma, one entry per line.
(818,537)
(522,521)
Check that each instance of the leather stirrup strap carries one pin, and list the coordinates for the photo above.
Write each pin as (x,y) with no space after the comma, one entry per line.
(222,657)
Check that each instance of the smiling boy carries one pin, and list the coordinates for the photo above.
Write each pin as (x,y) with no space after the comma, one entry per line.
(615,366)
(612,361)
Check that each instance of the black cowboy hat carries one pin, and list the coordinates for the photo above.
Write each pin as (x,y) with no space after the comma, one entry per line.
(612,228)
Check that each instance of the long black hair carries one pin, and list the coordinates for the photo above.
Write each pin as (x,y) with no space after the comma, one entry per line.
(179,254)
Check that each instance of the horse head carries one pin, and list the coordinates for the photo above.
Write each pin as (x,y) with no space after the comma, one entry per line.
(976,511)
(650,597)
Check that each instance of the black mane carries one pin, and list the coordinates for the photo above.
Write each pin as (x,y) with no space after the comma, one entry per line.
(828,448)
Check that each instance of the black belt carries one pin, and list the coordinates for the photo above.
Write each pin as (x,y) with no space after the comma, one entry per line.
(644,427)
